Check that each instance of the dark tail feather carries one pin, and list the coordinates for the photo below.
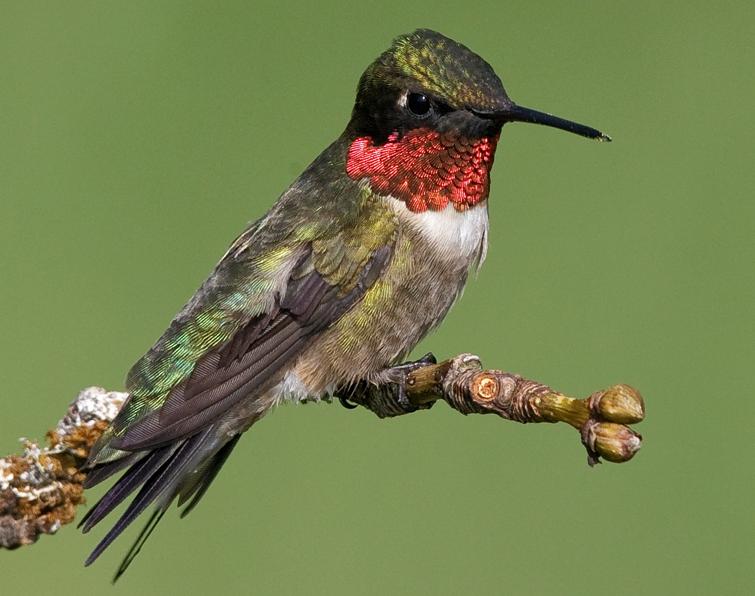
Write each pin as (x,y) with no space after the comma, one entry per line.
(139,473)
(154,519)
(154,485)
(199,488)
(196,492)
(104,471)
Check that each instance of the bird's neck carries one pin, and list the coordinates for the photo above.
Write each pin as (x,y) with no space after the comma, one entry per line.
(425,169)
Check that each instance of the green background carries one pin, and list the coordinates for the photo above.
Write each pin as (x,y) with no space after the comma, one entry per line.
(137,139)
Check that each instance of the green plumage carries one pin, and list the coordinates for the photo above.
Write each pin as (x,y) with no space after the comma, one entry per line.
(428,61)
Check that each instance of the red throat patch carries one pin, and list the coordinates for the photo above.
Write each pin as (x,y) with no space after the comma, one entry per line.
(425,169)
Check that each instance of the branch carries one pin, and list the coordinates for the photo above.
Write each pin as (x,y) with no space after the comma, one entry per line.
(40,490)
(466,387)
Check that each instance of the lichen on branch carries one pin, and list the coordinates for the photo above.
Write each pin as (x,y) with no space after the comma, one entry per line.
(41,488)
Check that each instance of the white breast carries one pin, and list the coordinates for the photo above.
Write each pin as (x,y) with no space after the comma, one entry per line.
(454,233)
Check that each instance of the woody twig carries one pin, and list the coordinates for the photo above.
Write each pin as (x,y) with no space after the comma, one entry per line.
(41,489)
(601,418)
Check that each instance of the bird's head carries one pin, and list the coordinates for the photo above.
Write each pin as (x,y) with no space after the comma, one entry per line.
(426,122)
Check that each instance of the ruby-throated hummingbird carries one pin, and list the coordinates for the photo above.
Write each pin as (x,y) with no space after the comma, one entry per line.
(363,255)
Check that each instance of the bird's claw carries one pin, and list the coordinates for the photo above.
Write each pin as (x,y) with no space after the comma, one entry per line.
(399,373)
(395,376)
(347,404)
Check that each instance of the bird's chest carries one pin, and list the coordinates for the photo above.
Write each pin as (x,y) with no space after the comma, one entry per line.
(433,257)
(426,274)
(451,237)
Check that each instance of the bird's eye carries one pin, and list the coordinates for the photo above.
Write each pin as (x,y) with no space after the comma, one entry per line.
(418,104)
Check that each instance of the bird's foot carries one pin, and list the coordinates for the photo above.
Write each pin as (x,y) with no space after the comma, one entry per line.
(398,374)
(385,393)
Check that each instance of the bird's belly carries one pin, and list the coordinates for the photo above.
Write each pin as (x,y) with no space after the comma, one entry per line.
(425,276)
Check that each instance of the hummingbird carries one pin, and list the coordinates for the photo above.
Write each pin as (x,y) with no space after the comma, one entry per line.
(354,264)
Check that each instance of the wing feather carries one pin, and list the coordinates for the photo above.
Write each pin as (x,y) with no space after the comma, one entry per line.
(310,304)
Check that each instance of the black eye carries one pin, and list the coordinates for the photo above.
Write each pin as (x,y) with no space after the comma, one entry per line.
(418,104)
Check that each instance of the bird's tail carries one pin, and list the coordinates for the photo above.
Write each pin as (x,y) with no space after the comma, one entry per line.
(183,469)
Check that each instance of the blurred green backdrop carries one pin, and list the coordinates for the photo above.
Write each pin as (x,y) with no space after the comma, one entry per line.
(137,139)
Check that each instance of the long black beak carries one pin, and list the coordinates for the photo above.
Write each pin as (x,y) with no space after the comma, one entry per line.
(515,113)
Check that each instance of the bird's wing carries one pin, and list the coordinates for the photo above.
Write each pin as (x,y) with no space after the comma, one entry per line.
(267,300)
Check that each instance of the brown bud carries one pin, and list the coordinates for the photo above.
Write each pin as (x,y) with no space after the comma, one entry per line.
(613,442)
(620,403)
